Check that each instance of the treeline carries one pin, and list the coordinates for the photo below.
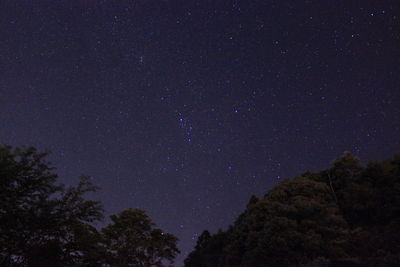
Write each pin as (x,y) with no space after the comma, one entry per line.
(43,223)
(348,215)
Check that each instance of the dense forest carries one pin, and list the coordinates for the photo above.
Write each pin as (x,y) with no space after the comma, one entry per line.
(347,215)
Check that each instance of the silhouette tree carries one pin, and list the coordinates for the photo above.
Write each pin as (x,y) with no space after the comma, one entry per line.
(298,219)
(39,219)
(47,224)
(347,215)
(132,240)
(208,250)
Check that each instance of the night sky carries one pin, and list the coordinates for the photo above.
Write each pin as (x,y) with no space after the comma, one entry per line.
(186,108)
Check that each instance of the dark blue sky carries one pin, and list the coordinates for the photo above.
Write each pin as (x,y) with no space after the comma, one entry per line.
(186,108)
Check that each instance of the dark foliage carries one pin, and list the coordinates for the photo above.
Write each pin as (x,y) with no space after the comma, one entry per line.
(132,240)
(39,219)
(348,215)
(46,224)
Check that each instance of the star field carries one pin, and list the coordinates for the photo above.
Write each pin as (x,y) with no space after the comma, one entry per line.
(187,108)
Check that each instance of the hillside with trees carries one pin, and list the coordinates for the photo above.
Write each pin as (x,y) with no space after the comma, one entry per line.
(347,215)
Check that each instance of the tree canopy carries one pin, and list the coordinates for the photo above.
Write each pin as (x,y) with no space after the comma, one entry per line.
(346,215)
(133,241)
(43,223)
